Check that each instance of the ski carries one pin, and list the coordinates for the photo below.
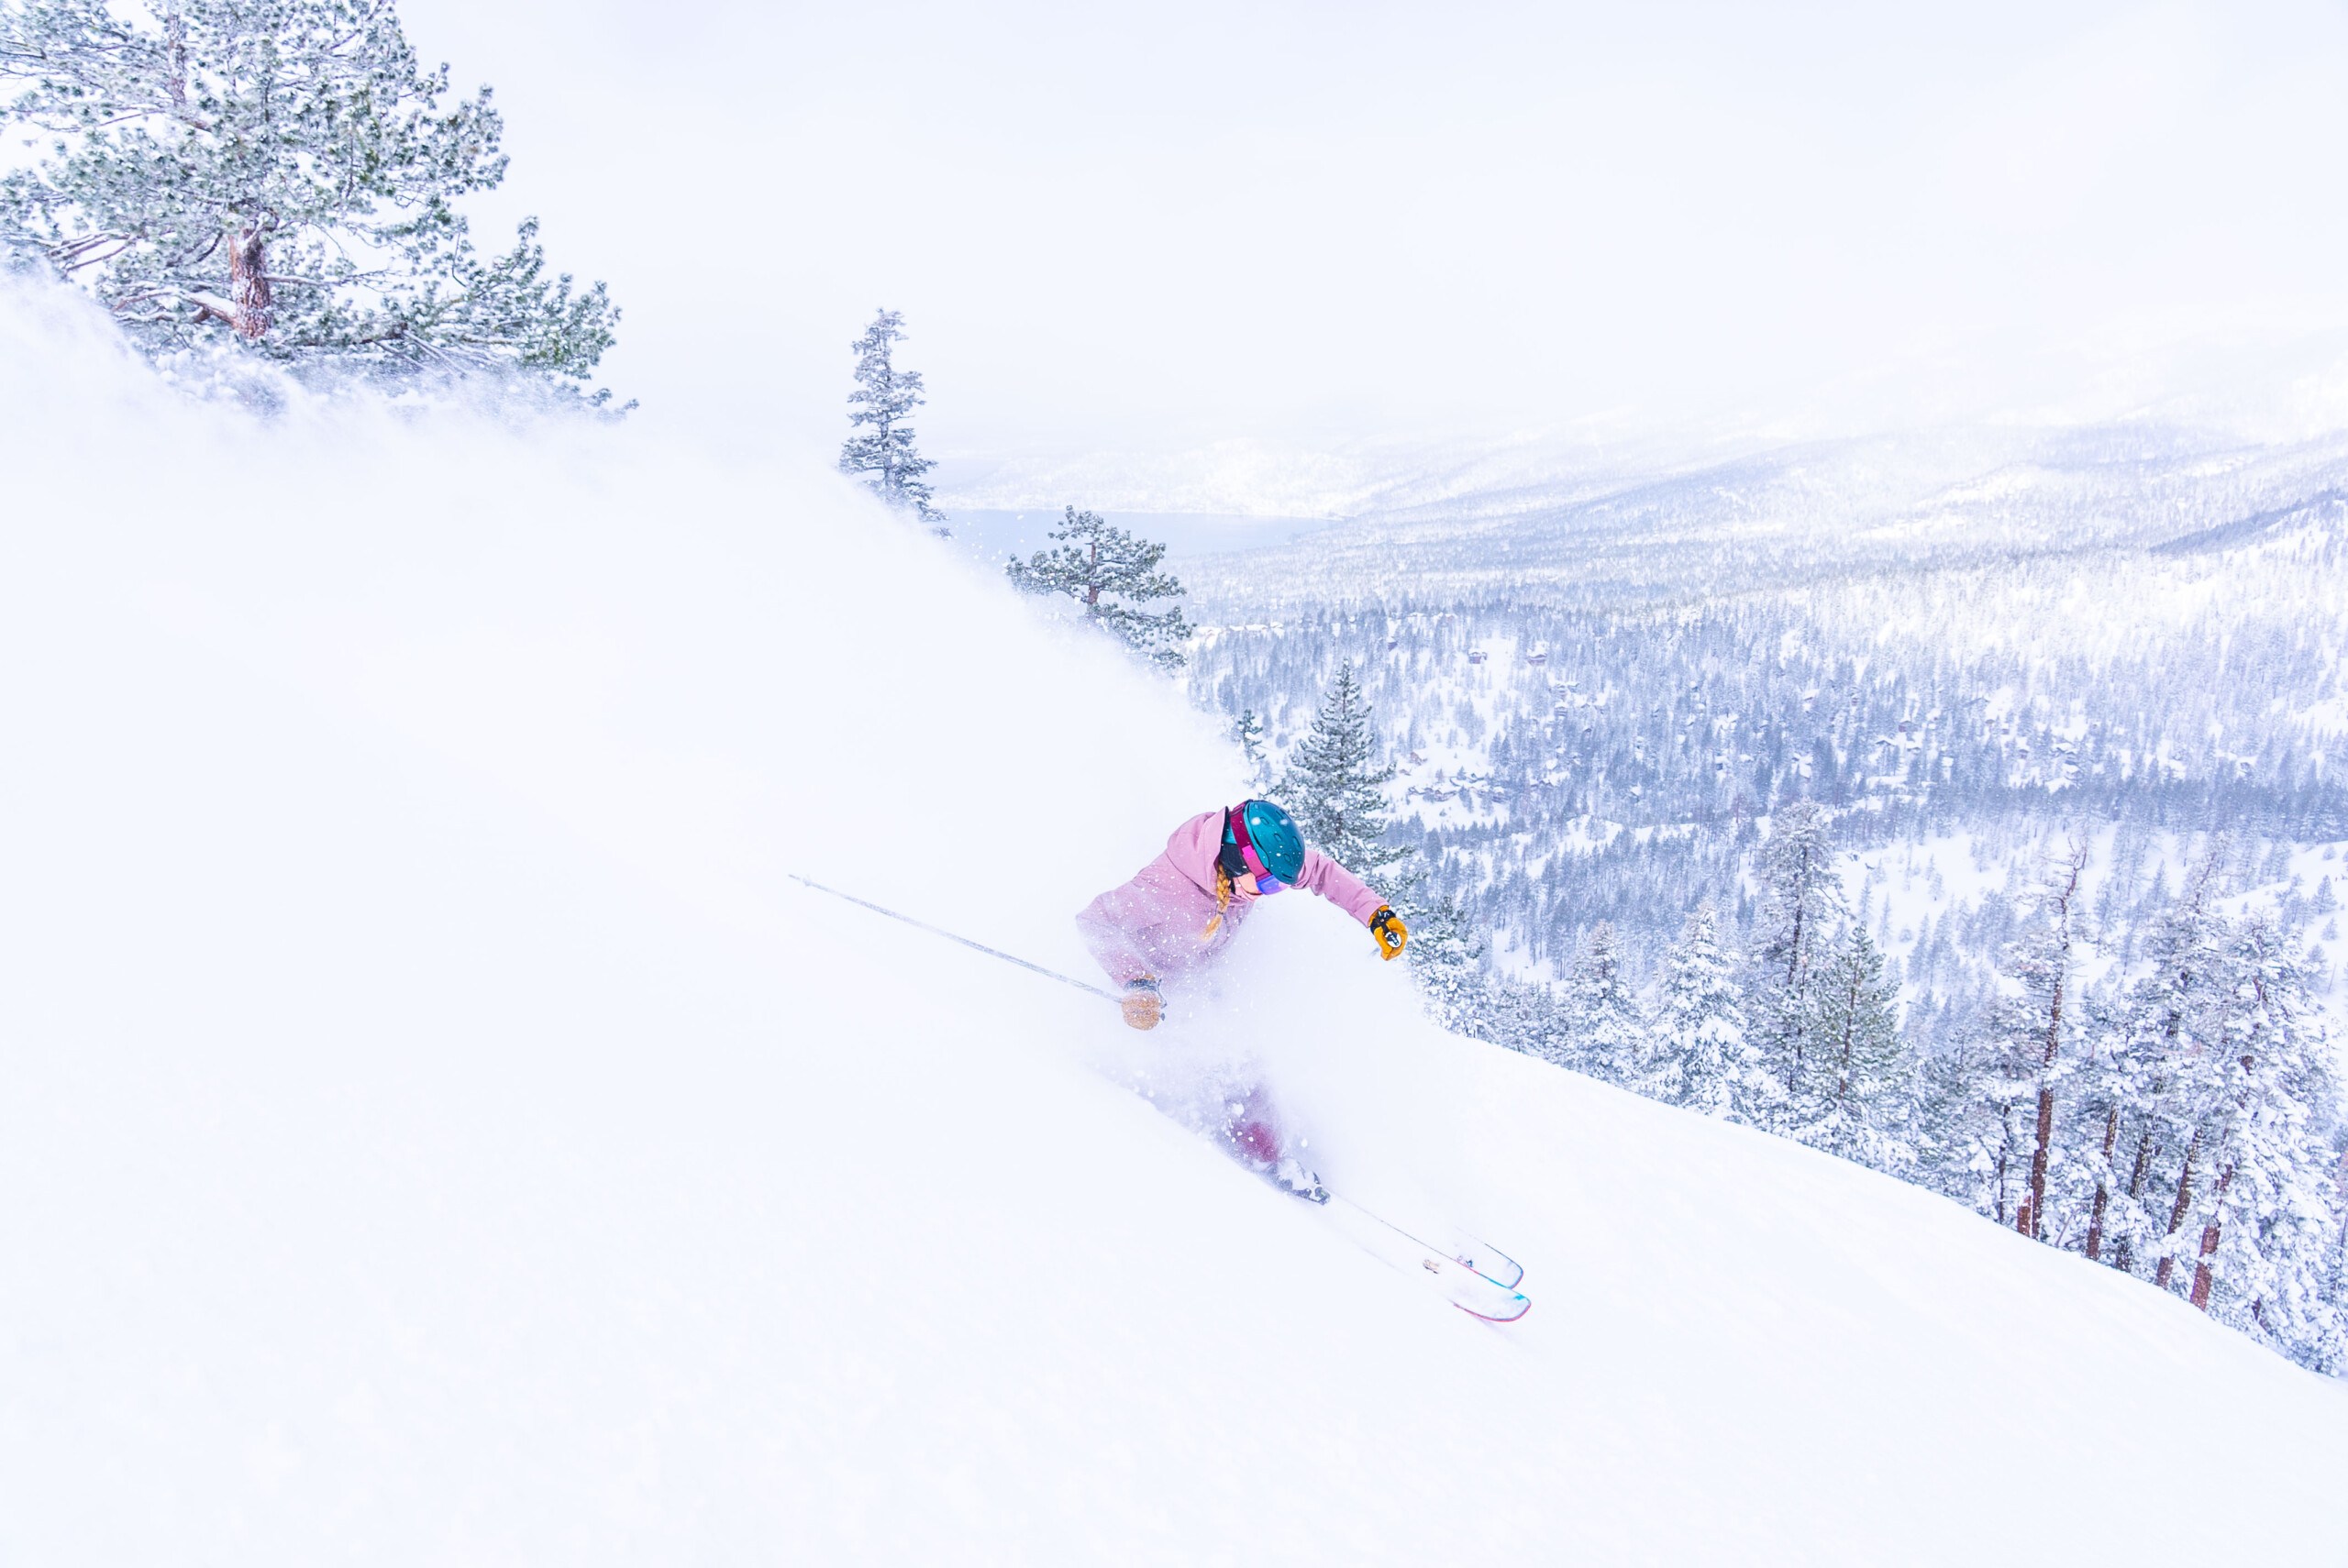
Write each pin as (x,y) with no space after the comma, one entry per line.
(1487,1260)
(1473,1292)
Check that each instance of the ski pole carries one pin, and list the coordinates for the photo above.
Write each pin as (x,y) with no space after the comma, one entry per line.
(981,946)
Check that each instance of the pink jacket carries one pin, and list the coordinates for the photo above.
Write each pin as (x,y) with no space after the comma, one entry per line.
(1156,925)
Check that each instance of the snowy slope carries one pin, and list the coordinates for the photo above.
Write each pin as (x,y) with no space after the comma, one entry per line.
(432,1128)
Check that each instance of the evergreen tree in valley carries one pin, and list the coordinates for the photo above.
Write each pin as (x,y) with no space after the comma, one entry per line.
(1248,731)
(1802,905)
(2040,1017)
(1443,953)
(277,176)
(1518,1017)
(1110,572)
(2174,1015)
(1702,1060)
(1605,1035)
(1336,788)
(1968,1126)
(1853,1096)
(881,409)
(2107,1095)
(2266,1225)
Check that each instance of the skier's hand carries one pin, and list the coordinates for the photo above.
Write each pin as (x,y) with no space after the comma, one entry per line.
(1143,1008)
(1392,933)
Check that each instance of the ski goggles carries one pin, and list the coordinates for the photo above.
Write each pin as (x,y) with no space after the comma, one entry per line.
(1266,883)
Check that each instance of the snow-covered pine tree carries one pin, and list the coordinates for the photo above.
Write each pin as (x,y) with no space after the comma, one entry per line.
(1519,1017)
(1853,1096)
(2105,1095)
(1335,787)
(1802,903)
(1606,1036)
(881,408)
(1110,571)
(2039,1017)
(2266,1221)
(1701,1058)
(1248,731)
(279,175)
(1442,952)
(1968,1125)
(2178,1014)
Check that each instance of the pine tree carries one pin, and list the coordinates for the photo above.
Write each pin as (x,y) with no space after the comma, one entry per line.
(2179,1012)
(1248,731)
(1108,571)
(882,405)
(1802,905)
(1606,1037)
(1852,1099)
(1703,1059)
(2265,1231)
(2107,1096)
(1518,1017)
(277,175)
(2042,967)
(1442,952)
(1336,789)
(1968,1126)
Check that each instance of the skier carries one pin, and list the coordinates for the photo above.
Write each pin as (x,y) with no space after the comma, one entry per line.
(1182,909)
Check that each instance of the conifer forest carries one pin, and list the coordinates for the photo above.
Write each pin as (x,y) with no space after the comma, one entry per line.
(1968,809)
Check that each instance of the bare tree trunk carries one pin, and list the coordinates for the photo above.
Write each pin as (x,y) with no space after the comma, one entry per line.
(2210,1240)
(175,57)
(248,283)
(2123,1257)
(1793,975)
(2030,1221)
(2178,1211)
(2103,1186)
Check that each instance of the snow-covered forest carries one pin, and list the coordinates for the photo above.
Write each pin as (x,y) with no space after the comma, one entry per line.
(2116,653)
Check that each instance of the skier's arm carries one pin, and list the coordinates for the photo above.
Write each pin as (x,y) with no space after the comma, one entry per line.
(1111,943)
(1351,894)
(1339,886)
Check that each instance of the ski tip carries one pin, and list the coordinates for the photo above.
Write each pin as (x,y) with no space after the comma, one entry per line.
(1491,1263)
(1509,1312)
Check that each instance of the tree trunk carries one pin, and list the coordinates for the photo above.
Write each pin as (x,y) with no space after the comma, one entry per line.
(2210,1240)
(1800,1033)
(2032,1220)
(2001,1181)
(2027,1214)
(175,58)
(2123,1257)
(248,283)
(2103,1186)
(2178,1211)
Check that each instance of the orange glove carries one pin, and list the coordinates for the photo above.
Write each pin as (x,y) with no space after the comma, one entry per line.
(1392,933)
(1142,1005)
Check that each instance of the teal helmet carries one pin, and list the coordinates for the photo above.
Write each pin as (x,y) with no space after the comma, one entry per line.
(1261,829)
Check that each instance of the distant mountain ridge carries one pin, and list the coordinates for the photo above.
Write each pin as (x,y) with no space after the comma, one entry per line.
(1794,513)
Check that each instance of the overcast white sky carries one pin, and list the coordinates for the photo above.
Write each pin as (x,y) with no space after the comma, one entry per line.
(1151,227)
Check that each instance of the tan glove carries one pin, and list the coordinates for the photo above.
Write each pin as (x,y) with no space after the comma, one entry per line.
(1142,1004)
(1392,933)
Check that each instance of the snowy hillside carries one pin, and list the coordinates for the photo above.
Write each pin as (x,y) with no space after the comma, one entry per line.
(432,1128)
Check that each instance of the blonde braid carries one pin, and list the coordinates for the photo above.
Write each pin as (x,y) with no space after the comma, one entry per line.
(1222,902)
